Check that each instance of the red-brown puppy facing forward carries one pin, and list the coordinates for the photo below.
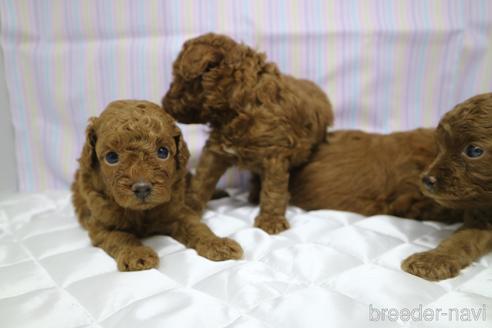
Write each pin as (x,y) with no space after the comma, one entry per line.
(260,120)
(460,177)
(131,184)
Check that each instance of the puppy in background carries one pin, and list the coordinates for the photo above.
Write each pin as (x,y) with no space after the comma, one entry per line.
(370,174)
(131,184)
(460,178)
(382,174)
(260,119)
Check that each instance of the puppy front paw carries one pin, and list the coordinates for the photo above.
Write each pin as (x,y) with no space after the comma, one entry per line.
(432,265)
(272,224)
(137,258)
(220,249)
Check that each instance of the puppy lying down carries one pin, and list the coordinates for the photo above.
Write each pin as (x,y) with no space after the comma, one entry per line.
(260,119)
(370,174)
(460,177)
(407,174)
(131,184)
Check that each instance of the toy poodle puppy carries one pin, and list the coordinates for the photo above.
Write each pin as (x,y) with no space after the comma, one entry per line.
(260,120)
(131,184)
(382,174)
(368,173)
(460,177)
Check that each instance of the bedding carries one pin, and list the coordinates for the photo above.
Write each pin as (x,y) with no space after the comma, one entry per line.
(331,269)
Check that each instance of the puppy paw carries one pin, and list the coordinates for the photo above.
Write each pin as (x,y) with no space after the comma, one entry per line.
(271,224)
(432,265)
(220,249)
(137,258)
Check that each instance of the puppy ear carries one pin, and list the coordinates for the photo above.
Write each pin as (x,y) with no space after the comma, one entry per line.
(88,158)
(197,58)
(182,153)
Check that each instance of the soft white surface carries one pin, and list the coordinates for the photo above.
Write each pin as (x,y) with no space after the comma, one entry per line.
(323,272)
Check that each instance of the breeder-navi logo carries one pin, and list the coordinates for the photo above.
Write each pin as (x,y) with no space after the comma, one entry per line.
(428,314)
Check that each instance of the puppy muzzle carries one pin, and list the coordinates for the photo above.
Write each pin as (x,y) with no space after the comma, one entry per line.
(142,190)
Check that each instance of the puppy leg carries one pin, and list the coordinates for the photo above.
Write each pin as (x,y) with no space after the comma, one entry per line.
(189,230)
(218,193)
(446,260)
(274,196)
(125,248)
(208,172)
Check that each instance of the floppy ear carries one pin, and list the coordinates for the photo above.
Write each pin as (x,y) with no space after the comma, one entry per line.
(88,159)
(182,153)
(196,58)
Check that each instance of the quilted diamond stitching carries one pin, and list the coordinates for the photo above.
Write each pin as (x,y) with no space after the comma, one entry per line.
(335,259)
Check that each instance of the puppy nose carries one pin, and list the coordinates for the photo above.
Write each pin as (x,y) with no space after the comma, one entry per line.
(142,189)
(429,181)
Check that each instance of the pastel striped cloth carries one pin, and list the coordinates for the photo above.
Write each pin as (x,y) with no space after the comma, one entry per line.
(386,65)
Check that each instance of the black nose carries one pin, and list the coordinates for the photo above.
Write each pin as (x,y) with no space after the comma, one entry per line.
(142,189)
(429,181)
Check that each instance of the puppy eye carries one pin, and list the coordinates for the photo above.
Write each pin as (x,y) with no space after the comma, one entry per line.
(111,158)
(473,151)
(163,153)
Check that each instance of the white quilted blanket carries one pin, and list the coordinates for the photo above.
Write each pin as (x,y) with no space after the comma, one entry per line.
(331,269)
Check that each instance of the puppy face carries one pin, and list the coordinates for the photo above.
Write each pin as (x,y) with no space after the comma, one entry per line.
(137,152)
(204,76)
(461,175)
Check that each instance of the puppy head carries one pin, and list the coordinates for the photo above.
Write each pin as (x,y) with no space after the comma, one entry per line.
(203,54)
(461,174)
(210,72)
(136,151)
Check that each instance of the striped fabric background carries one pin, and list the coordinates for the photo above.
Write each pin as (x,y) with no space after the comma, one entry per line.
(386,65)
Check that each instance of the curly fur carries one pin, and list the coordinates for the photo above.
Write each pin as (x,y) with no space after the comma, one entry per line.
(368,173)
(460,182)
(104,194)
(261,120)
